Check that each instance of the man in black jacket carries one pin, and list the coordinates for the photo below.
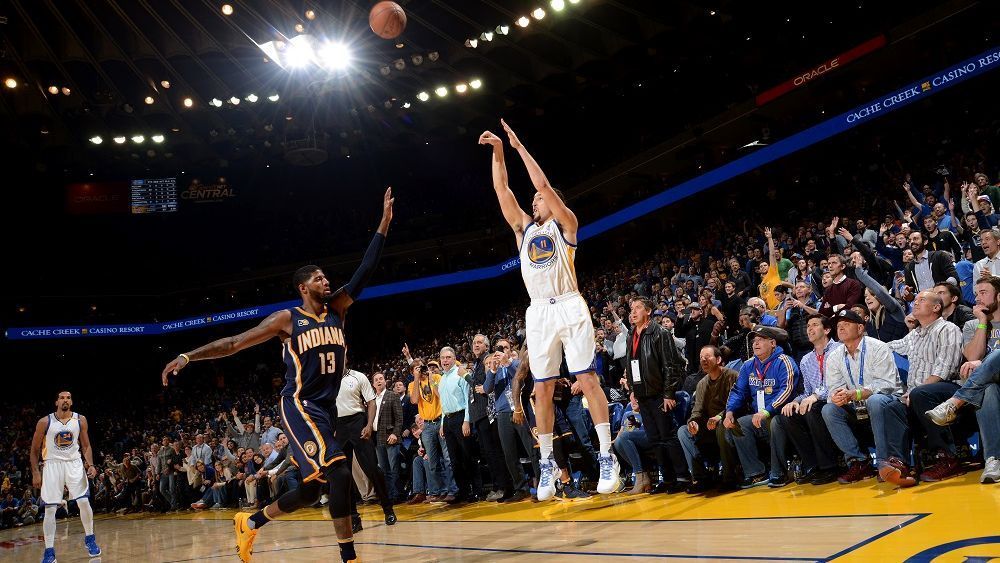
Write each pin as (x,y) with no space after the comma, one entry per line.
(654,371)
(483,417)
(929,267)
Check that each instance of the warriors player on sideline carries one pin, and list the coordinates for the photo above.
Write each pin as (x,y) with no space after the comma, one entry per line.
(61,437)
(558,320)
(313,348)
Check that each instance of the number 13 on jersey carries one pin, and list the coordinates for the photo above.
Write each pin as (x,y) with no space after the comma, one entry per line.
(327,363)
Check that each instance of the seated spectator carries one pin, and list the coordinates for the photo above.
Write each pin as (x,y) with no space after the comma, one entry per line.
(954,311)
(864,392)
(934,350)
(766,318)
(927,268)
(703,438)
(630,443)
(801,419)
(764,385)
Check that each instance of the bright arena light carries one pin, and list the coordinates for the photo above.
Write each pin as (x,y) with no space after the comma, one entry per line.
(335,56)
(538,13)
(96,139)
(216,102)
(137,139)
(487,36)
(310,14)
(227,9)
(441,91)
(165,83)
(406,105)
(157,138)
(53,90)
(149,100)
(423,96)
(574,1)
(503,29)
(234,100)
(476,84)
(119,140)
(523,21)
(299,52)
(188,102)
(557,5)
(66,91)
(252,98)
(461,88)
(472,43)
(274,97)
(10,83)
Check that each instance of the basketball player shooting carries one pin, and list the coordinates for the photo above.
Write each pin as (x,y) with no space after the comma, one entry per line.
(313,348)
(558,320)
(60,438)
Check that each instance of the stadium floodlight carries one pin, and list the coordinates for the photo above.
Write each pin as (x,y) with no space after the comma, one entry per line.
(406,105)
(487,36)
(441,91)
(137,139)
(423,96)
(149,100)
(557,5)
(227,9)
(165,83)
(10,83)
(252,98)
(538,13)
(188,102)
(503,29)
(335,56)
(462,88)
(120,140)
(274,97)
(475,83)
(157,138)
(523,21)
(299,52)
(216,102)
(96,139)
(234,100)
(472,43)
(53,90)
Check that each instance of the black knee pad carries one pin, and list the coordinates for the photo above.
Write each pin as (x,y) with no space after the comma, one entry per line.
(339,478)
(304,495)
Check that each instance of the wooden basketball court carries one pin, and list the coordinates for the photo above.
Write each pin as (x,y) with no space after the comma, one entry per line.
(956,520)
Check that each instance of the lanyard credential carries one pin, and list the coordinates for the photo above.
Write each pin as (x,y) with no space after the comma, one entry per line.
(861,366)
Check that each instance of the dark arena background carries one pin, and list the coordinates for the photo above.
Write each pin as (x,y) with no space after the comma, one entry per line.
(170,164)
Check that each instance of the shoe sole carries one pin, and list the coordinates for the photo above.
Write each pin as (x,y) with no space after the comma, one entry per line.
(989,480)
(938,421)
(894,476)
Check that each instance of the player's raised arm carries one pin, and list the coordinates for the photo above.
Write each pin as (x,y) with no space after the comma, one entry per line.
(512,212)
(276,323)
(566,218)
(36,449)
(344,297)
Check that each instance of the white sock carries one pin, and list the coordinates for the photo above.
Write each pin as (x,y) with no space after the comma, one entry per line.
(86,515)
(49,525)
(604,435)
(545,446)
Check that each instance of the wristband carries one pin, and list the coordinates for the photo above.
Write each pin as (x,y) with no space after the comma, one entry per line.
(187,358)
(765,413)
(982,326)
(858,394)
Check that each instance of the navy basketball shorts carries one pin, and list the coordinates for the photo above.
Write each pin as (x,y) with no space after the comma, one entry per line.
(310,428)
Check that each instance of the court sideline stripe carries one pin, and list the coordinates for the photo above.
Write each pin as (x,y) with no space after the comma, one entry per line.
(876,537)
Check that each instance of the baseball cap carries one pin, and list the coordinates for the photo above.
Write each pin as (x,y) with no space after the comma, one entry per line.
(772,332)
(850,316)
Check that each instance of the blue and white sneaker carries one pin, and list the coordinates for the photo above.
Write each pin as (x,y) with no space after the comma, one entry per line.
(610,474)
(50,555)
(92,548)
(547,480)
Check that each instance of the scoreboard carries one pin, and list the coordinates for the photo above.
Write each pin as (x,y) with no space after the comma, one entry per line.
(157,195)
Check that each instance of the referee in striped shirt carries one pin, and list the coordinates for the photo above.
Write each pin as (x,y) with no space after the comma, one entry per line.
(934,349)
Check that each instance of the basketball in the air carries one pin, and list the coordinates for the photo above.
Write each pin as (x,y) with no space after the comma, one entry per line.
(387,20)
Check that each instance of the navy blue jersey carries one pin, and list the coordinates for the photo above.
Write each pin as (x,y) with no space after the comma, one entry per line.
(314,356)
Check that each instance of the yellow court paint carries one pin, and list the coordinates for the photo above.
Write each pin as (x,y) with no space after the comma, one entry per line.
(863,522)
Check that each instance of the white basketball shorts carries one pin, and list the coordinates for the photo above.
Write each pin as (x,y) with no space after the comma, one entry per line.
(57,475)
(557,326)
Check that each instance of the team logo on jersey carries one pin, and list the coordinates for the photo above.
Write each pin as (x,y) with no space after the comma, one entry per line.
(303,322)
(310,448)
(541,249)
(63,439)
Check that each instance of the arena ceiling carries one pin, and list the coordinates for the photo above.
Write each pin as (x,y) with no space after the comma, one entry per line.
(99,68)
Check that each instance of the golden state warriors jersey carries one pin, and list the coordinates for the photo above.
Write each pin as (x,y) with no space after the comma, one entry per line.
(62,440)
(547,261)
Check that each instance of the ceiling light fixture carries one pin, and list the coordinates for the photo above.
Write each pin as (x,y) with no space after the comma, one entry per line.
(227,9)
(10,83)
(188,102)
(503,29)
(274,97)
(157,138)
(149,100)
(216,102)
(441,91)
(423,96)
(557,5)
(475,84)
(137,139)
(487,36)
(252,98)
(165,83)
(310,14)
(53,90)
(461,88)
(234,100)
(96,139)
(472,43)
(538,13)
(119,140)
(300,28)
(523,21)
(335,56)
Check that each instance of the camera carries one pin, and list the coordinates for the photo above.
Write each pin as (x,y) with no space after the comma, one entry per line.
(942,170)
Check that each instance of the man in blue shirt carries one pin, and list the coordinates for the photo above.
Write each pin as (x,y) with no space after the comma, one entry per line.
(765,383)
(455,426)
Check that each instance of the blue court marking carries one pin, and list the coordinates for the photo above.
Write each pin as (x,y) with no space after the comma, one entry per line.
(876,537)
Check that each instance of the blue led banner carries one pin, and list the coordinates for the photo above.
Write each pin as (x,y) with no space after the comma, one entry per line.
(878,107)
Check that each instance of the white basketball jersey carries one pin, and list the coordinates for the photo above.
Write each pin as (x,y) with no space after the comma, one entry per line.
(547,261)
(62,441)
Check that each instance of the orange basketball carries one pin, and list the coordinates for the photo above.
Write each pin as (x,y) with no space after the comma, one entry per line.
(387,20)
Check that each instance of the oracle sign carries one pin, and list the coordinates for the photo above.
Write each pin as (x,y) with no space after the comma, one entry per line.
(821,69)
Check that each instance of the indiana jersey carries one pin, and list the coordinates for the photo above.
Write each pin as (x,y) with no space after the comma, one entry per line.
(62,440)
(314,356)
(547,261)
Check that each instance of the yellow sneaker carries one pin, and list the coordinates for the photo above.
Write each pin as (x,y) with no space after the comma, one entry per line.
(244,536)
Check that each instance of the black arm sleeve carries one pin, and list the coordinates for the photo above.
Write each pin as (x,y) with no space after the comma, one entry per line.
(367,267)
